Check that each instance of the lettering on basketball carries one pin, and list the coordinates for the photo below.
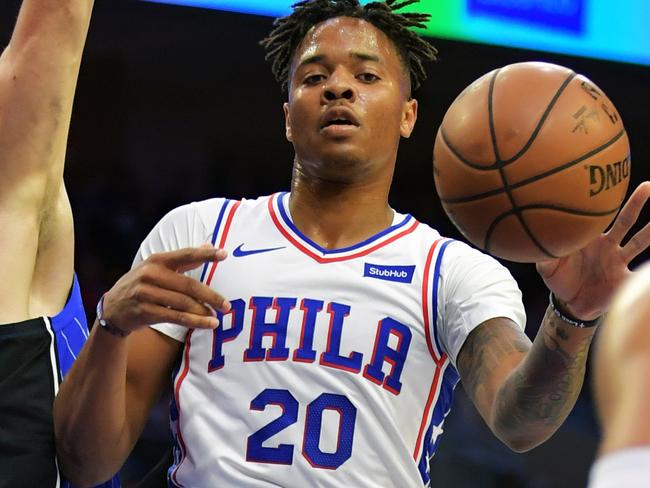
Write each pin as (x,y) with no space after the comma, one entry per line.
(591,90)
(611,113)
(584,117)
(268,330)
(603,178)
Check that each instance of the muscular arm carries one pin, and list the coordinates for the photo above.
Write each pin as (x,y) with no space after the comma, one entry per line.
(524,391)
(106,397)
(105,400)
(38,74)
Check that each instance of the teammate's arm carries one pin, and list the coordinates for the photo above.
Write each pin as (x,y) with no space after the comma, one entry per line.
(38,73)
(105,400)
(524,392)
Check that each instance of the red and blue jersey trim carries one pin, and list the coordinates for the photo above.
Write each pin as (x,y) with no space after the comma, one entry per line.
(445,376)
(178,438)
(226,214)
(280,216)
(219,237)
(442,407)
(430,283)
(434,292)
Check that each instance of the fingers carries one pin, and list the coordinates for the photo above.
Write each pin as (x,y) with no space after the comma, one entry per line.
(189,258)
(188,293)
(546,269)
(173,300)
(638,243)
(158,291)
(152,313)
(629,215)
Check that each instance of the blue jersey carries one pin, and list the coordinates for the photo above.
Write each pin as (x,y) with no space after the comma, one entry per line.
(36,355)
(70,331)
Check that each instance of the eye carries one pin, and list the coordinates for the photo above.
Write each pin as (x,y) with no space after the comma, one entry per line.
(368,77)
(313,79)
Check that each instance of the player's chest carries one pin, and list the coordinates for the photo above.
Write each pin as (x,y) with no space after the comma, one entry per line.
(356,315)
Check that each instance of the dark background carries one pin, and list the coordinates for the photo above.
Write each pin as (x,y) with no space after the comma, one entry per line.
(177,104)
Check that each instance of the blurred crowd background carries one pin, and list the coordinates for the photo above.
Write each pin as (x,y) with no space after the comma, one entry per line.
(177,104)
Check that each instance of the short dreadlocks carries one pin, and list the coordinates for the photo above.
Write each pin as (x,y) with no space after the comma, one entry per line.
(289,31)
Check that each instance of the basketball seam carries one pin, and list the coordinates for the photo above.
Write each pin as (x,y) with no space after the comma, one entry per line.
(528,143)
(545,115)
(500,164)
(460,157)
(534,178)
(568,210)
(571,211)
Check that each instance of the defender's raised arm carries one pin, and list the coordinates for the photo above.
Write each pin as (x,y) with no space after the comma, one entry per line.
(42,320)
(38,74)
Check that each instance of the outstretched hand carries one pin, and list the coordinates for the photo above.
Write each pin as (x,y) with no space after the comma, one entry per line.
(586,280)
(157,291)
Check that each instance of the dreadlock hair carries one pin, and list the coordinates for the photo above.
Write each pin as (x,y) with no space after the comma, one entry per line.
(289,31)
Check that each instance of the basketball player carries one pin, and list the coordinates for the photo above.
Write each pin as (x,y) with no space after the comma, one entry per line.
(324,350)
(622,362)
(43,321)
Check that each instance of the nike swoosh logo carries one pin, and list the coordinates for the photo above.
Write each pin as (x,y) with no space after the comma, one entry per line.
(240,253)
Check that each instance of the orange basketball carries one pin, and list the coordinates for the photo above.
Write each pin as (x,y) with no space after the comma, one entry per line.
(531,162)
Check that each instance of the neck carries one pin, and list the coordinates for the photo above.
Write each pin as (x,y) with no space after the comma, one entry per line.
(336,215)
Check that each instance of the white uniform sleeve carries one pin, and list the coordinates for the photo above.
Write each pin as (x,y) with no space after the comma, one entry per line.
(180,228)
(474,288)
(628,467)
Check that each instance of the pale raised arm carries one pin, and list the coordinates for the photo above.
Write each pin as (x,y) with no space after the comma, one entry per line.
(38,75)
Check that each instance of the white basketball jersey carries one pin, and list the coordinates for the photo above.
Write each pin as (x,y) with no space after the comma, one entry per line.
(334,368)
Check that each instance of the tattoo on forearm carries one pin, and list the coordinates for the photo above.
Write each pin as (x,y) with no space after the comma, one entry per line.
(543,389)
(484,351)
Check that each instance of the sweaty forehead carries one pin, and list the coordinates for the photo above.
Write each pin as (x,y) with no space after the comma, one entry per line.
(342,35)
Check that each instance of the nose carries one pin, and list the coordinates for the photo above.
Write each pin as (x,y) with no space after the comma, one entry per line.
(338,87)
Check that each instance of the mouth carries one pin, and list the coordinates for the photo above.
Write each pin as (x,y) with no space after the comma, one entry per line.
(339,122)
(339,118)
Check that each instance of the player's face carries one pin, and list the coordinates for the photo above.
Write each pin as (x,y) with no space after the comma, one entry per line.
(349,102)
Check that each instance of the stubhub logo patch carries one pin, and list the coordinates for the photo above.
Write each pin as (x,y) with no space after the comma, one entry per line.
(400,274)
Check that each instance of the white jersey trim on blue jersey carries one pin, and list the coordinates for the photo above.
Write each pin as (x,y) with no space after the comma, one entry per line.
(55,379)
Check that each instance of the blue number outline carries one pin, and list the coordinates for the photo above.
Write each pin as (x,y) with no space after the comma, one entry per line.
(283,453)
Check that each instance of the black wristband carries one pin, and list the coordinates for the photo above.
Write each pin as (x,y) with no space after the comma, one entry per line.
(103,323)
(564,316)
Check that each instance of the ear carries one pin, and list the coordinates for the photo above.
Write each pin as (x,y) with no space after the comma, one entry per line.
(409,116)
(287,122)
